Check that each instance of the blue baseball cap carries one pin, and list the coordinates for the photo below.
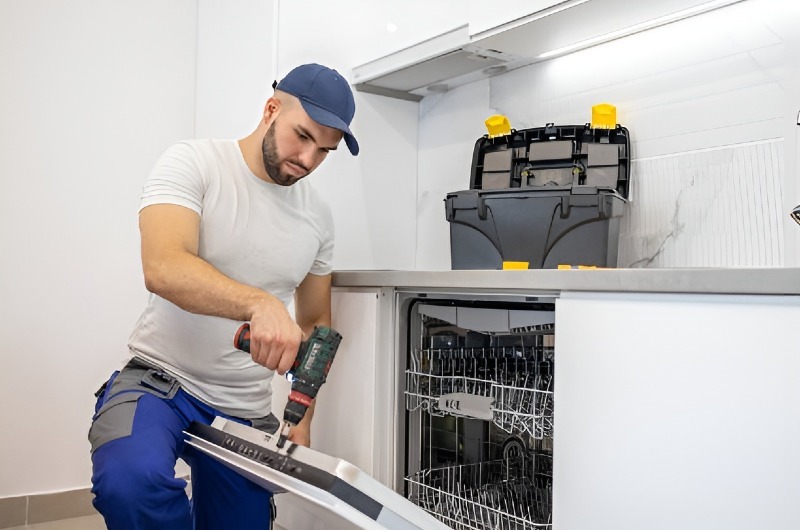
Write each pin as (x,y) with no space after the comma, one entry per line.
(326,97)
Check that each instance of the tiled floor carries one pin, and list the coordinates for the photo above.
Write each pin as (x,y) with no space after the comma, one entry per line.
(91,522)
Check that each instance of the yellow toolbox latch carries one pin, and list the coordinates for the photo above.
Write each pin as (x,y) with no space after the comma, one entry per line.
(604,116)
(498,125)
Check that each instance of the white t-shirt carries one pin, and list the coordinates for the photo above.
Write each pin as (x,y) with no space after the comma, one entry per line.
(257,233)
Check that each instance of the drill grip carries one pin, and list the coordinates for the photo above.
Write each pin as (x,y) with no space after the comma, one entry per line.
(323,337)
(241,341)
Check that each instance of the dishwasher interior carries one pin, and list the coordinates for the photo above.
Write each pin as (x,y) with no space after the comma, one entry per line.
(479,411)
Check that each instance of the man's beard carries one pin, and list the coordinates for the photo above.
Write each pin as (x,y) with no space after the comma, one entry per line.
(269,153)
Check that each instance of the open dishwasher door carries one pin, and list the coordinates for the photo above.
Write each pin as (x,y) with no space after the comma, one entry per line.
(337,489)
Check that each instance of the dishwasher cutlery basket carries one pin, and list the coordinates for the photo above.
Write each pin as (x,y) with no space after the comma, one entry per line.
(545,196)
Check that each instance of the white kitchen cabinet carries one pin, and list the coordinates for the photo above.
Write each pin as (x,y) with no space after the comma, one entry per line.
(577,24)
(498,39)
(378,29)
(351,32)
(350,418)
(484,15)
(351,411)
(351,415)
(676,411)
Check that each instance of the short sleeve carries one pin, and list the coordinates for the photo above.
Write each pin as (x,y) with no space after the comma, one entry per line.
(177,178)
(323,263)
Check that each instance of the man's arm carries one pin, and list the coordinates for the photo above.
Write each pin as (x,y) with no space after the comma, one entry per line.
(312,308)
(173,270)
(313,302)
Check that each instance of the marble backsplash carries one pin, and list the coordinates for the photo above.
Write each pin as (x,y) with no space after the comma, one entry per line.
(710,208)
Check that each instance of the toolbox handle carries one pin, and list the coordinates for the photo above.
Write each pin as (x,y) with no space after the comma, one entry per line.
(450,207)
(482,210)
(565,206)
(551,131)
(603,208)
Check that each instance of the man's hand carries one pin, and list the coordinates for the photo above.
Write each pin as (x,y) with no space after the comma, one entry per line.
(274,337)
(301,434)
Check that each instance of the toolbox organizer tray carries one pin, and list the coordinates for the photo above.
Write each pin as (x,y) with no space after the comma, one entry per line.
(546,196)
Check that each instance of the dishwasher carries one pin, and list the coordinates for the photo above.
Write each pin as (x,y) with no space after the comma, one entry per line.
(478,408)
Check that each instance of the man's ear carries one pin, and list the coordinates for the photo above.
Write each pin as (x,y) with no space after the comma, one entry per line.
(272,109)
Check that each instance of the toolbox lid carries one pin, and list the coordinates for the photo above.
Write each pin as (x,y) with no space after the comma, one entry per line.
(580,158)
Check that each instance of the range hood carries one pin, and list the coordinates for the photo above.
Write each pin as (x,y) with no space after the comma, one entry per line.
(455,57)
(434,65)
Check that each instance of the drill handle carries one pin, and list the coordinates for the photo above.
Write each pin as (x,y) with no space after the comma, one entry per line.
(241,341)
(324,337)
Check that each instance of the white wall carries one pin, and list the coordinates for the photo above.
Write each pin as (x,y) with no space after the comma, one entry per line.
(92,92)
(236,48)
(91,96)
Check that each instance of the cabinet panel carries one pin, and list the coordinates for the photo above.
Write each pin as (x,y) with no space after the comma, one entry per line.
(487,15)
(362,30)
(676,411)
(344,415)
(352,420)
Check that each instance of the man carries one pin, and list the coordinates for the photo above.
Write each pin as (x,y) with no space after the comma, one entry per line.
(230,233)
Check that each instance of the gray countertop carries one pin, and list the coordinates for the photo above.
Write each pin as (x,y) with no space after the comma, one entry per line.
(719,281)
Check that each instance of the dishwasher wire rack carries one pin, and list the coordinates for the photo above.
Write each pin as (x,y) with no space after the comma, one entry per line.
(494,495)
(517,379)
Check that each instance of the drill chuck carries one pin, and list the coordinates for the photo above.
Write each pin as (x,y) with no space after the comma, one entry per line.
(294,412)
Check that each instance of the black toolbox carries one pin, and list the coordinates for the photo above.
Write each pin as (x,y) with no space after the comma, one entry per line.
(547,196)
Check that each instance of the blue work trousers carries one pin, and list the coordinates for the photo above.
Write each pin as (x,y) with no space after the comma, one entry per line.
(137,437)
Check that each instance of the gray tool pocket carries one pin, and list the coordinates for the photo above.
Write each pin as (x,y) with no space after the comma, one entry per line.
(114,420)
(117,404)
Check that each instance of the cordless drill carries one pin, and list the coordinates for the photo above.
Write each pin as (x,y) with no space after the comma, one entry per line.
(308,373)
